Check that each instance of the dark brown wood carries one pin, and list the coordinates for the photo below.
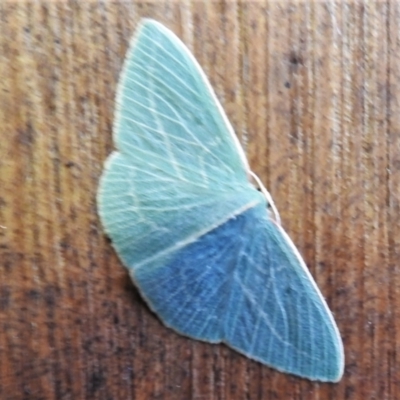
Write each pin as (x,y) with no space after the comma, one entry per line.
(312,89)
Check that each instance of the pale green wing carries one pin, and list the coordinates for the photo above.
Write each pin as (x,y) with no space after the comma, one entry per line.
(168,116)
(179,171)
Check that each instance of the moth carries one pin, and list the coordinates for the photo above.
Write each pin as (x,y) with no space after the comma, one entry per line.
(204,247)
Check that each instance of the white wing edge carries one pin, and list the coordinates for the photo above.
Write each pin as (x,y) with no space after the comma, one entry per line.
(323,301)
(100,191)
(184,49)
(193,238)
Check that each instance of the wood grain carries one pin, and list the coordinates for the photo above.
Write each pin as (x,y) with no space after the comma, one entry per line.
(313,91)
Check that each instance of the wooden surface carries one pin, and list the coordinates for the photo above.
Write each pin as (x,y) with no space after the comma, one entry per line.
(312,89)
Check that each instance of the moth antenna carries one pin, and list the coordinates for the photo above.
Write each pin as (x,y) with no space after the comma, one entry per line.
(268,197)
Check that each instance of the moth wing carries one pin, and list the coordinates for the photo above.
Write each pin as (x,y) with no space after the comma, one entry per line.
(179,169)
(168,114)
(245,284)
